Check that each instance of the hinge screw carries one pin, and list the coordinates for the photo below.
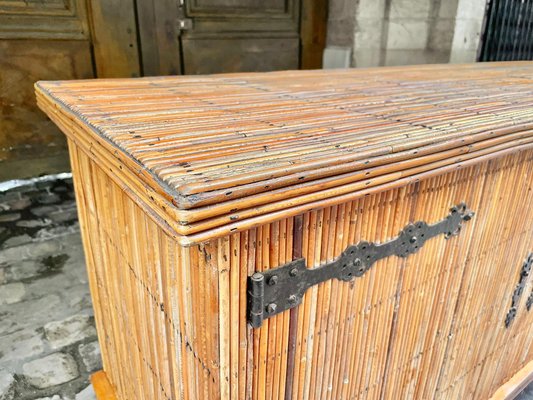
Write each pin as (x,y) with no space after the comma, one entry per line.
(468,216)
(413,239)
(293,272)
(273,280)
(293,299)
(271,308)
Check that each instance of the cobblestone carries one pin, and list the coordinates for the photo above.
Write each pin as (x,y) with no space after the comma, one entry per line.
(17,240)
(31,314)
(48,198)
(63,215)
(22,270)
(43,210)
(9,217)
(68,331)
(7,385)
(90,355)
(19,346)
(8,196)
(29,251)
(18,204)
(43,282)
(34,223)
(11,293)
(51,370)
(86,394)
(55,231)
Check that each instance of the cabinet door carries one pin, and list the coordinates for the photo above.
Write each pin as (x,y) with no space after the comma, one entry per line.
(241,35)
(39,40)
(210,36)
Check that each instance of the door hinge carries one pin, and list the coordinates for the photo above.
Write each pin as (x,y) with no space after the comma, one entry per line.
(518,290)
(274,291)
(184,23)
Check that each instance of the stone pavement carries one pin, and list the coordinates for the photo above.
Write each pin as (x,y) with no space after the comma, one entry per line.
(48,343)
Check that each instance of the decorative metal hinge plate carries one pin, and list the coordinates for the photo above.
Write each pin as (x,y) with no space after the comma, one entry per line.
(274,291)
(519,289)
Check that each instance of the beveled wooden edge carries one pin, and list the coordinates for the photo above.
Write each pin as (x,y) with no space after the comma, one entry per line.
(518,382)
(102,387)
(179,223)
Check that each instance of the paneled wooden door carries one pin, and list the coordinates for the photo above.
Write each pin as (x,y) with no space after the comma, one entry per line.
(38,40)
(211,36)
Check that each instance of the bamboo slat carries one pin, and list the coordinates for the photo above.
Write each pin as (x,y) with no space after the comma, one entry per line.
(286,140)
(515,385)
(186,186)
(102,388)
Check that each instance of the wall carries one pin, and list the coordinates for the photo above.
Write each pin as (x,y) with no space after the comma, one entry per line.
(468,29)
(400,32)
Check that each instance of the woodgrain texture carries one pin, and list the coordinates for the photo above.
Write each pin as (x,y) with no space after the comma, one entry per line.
(159,32)
(211,55)
(170,303)
(25,132)
(313,27)
(52,19)
(38,40)
(241,35)
(114,38)
(514,386)
(172,320)
(102,387)
(223,153)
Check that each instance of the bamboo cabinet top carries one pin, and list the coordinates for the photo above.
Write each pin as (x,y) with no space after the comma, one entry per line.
(211,155)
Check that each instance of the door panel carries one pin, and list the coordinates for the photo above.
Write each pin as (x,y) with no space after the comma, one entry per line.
(159,37)
(206,56)
(259,5)
(241,35)
(38,40)
(218,35)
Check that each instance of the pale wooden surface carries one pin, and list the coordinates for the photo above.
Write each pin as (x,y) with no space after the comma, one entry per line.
(514,386)
(430,325)
(288,142)
(114,38)
(102,388)
(171,309)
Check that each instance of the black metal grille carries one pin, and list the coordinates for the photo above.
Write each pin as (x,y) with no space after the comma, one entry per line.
(508,32)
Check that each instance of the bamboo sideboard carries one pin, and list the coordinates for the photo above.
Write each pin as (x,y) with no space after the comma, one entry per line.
(345,234)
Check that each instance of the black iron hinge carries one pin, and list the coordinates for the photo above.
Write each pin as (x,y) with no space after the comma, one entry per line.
(518,290)
(274,291)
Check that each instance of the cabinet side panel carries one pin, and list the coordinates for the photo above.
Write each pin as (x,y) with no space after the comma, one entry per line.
(145,289)
(427,326)
(172,320)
